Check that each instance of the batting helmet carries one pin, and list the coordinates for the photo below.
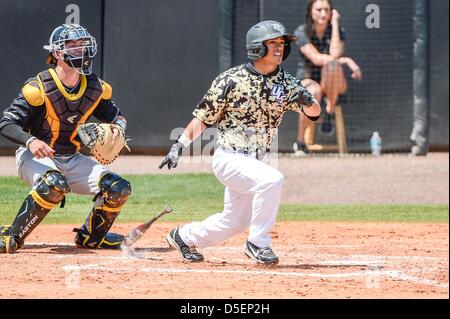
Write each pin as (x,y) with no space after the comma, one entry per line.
(78,57)
(266,30)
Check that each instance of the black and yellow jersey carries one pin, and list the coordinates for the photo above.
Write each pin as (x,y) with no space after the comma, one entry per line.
(48,110)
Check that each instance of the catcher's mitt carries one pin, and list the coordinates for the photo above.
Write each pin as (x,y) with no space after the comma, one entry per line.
(98,137)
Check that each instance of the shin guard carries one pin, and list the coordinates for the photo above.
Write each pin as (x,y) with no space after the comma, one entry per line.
(50,190)
(114,192)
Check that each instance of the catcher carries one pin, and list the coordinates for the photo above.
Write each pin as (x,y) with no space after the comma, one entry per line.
(45,120)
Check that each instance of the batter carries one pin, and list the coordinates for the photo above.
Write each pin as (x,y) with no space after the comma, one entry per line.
(247,104)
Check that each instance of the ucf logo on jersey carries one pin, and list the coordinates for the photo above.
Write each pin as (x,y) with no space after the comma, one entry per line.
(278,92)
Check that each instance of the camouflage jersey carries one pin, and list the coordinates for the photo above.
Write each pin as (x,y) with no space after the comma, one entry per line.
(248,107)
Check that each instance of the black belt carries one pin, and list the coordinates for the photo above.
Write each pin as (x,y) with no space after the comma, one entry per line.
(258,153)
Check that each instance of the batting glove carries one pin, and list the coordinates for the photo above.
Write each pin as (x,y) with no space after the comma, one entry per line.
(306,98)
(171,159)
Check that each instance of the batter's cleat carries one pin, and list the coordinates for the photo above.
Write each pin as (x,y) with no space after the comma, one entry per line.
(188,254)
(263,255)
(8,245)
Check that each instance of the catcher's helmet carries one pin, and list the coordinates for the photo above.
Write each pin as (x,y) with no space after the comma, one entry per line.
(78,57)
(266,30)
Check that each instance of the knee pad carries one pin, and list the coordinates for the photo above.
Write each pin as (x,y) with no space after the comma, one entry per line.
(51,189)
(114,190)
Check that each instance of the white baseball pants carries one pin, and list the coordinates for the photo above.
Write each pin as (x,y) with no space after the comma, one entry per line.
(82,172)
(252,198)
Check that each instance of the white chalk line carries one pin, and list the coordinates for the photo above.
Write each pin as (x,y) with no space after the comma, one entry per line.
(362,274)
(352,260)
(405,277)
(393,274)
(70,244)
(413,258)
(372,272)
(286,252)
(344,260)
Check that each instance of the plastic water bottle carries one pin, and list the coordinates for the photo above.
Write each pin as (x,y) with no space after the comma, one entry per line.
(375,144)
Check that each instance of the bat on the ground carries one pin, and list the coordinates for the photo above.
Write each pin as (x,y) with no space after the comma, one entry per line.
(138,231)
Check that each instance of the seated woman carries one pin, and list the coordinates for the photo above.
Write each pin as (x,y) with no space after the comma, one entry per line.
(321,45)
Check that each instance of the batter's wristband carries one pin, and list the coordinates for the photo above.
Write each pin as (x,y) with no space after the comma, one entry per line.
(183,139)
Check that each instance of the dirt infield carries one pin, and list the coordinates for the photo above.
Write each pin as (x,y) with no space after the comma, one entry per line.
(317,260)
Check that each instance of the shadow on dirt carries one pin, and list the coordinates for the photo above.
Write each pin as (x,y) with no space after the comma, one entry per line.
(73,250)
(153,249)
(290,266)
(56,249)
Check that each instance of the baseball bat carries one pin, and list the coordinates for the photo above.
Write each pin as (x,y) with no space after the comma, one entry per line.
(134,235)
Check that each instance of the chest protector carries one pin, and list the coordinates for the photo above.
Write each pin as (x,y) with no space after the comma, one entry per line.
(66,111)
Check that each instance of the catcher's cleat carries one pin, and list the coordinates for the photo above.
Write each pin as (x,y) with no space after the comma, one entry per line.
(263,255)
(8,245)
(187,253)
(110,241)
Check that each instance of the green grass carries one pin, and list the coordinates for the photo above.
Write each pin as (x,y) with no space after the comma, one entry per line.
(196,196)
(366,213)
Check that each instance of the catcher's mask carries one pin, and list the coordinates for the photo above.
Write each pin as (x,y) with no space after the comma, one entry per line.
(77,46)
(263,31)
